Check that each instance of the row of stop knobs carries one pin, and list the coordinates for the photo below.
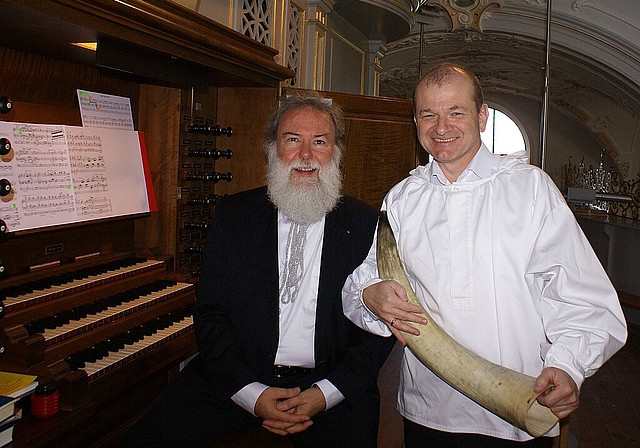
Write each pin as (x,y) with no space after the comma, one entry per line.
(208,129)
(209,176)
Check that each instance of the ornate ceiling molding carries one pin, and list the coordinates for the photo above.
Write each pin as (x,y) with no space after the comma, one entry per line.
(466,13)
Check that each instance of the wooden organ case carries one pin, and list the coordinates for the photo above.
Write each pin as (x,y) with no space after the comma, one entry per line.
(102,308)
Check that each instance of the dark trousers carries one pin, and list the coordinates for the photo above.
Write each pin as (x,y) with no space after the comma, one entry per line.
(186,415)
(418,436)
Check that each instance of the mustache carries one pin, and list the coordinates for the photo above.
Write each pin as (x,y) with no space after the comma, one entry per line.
(304,165)
(303,201)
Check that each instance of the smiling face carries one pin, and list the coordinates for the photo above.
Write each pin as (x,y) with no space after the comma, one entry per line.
(305,144)
(303,174)
(448,122)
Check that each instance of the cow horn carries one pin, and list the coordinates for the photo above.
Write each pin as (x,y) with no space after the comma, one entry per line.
(505,392)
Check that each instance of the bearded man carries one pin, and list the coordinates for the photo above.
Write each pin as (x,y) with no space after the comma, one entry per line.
(275,349)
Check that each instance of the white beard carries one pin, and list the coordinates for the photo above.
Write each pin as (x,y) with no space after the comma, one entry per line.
(308,201)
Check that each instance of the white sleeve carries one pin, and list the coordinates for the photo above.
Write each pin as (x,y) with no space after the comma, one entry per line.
(352,304)
(582,316)
(247,397)
(332,396)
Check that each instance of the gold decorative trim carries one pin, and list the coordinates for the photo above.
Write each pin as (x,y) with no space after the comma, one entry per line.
(466,13)
(318,61)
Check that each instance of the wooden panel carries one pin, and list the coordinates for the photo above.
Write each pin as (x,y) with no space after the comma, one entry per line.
(224,55)
(159,112)
(379,154)
(168,112)
(41,77)
(43,80)
(247,112)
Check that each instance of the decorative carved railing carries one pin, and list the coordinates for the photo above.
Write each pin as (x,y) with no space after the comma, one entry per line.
(602,181)
(628,188)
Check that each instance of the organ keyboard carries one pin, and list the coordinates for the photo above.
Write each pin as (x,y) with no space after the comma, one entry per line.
(49,288)
(228,69)
(97,327)
(81,319)
(128,351)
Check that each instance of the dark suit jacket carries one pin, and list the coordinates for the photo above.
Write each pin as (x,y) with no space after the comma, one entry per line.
(236,312)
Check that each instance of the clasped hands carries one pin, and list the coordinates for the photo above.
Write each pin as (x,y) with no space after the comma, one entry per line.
(388,300)
(288,411)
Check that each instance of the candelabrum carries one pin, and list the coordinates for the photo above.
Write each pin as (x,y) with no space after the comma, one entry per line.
(597,180)
(601,190)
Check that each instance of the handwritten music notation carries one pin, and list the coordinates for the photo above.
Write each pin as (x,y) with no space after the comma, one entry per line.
(87,163)
(11,217)
(44,180)
(36,135)
(105,111)
(65,174)
(40,205)
(42,160)
(93,206)
(90,184)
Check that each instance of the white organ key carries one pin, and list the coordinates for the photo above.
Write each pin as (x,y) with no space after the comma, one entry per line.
(115,359)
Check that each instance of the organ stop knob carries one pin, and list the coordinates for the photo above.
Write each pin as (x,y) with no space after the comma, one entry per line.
(5,146)
(5,105)
(5,187)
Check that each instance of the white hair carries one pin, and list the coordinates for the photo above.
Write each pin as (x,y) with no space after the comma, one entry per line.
(307,202)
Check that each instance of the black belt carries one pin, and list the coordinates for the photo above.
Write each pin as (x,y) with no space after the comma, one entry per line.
(291,371)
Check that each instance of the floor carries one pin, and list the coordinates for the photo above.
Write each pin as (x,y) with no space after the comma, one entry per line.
(608,416)
(609,412)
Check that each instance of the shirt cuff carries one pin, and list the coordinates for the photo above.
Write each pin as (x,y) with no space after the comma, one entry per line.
(373,323)
(563,359)
(332,396)
(247,397)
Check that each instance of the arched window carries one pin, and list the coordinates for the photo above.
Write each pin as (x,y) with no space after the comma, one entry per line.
(502,135)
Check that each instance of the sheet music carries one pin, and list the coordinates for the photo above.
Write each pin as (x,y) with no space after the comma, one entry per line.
(99,110)
(63,174)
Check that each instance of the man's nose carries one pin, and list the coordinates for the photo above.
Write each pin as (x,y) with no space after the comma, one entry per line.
(305,151)
(442,126)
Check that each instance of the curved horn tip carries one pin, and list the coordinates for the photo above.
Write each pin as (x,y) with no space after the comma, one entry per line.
(539,420)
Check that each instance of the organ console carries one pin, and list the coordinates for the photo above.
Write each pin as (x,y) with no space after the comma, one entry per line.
(209,176)
(102,309)
(202,199)
(208,129)
(214,153)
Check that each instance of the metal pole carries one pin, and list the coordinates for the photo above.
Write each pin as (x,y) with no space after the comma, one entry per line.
(420,43)
(420,51)
(493,130)
(545,98)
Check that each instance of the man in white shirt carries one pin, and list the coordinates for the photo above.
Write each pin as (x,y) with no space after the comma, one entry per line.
(497,259)
(275,349)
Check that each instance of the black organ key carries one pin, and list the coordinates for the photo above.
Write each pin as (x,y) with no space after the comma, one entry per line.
(75,362)
(95,308)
